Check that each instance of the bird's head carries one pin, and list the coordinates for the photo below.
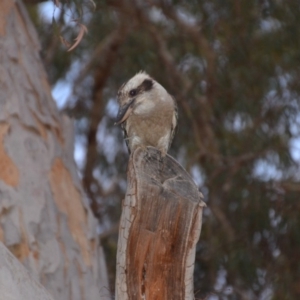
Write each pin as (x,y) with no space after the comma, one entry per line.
(139,95)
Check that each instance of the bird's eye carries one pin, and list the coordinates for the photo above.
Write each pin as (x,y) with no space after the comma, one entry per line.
(133,92)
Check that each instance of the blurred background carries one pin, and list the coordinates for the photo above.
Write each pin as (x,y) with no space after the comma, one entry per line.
(234,69)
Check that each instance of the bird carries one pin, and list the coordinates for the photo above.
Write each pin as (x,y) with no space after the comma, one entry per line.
(147,114)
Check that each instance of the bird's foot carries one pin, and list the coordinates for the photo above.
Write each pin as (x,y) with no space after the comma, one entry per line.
(162,155)
(147,155)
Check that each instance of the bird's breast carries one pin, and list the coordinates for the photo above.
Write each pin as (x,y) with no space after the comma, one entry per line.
(149,130)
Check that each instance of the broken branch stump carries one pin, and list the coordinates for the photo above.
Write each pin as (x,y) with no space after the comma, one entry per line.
(160,226)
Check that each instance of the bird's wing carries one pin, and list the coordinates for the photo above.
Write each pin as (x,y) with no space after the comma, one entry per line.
(125,135)
(174,122)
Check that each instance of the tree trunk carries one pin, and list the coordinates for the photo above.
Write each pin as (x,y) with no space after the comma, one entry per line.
(159,229)
(15,282)
(45,220)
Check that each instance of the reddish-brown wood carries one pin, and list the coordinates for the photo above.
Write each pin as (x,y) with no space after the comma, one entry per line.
(159,229)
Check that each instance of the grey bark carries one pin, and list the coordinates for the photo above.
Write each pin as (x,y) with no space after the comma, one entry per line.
(15,282)
(45,220)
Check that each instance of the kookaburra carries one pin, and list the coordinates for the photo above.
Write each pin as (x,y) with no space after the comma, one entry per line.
(147,113)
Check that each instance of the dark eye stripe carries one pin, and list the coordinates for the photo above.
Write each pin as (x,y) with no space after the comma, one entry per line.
(145,86)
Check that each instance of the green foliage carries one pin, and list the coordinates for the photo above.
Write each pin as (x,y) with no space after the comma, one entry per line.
(233,67)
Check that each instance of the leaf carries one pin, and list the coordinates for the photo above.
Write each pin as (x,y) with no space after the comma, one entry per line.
(93,4)
(79,37)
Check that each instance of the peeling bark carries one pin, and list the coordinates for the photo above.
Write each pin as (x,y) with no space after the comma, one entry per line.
(45,219)
(160,226)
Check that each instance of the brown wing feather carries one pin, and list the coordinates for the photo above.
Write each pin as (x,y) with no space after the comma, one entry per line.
(125,135)
(174,122)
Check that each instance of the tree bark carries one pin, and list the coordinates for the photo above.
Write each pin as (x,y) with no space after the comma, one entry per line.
(45,219)
(160,226)
(15,281)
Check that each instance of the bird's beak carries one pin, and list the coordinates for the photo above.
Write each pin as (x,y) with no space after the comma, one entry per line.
(124,112)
